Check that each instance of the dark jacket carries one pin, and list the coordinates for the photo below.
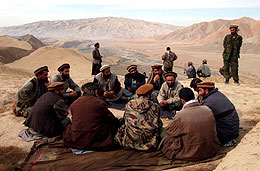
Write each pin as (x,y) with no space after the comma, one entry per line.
(139,78)
(93,125)
(227,120)
(47,115)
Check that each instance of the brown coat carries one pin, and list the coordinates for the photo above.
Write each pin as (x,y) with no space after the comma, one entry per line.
(192,134)
(93,125)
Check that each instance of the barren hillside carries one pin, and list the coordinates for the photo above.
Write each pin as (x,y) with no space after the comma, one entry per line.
(213,32)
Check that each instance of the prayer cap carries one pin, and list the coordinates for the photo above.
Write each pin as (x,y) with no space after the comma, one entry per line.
(170,74)
(104,67)
(63,66)
(131,67)
(56,86)
(44,68)
(206,85)
(156,66)
(144,89)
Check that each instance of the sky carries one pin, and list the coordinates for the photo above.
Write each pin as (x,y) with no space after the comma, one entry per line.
(175,12)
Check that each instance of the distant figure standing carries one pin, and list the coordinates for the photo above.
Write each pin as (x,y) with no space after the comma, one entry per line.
(190,71)
(168,58)
(204,69)
(97,59)
(232,43)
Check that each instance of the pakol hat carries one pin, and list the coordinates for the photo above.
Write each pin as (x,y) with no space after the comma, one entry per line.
(89,86)
(104,67)
(206,85)
(167,74)
(56,86)
(63,66)
(156,66)
(44,68)
(96,44)
(131,67)
(144,89)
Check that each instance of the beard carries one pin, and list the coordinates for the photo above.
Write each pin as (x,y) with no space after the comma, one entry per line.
(107,76)
(65,76)
(170,85)
(233,33)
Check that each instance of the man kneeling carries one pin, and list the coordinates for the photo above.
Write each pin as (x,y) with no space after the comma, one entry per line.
(142,122)
(192,133)
(93,126)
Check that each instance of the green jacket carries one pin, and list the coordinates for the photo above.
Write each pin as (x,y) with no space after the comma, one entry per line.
(28,92)
(232,50)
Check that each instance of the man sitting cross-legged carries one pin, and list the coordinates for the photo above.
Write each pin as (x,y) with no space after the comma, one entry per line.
(93,125)
(192,133)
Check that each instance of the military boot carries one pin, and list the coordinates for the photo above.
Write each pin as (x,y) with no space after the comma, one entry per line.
(227,80)
(236,82)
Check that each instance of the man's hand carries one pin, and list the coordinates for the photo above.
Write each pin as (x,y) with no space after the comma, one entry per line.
(111,93)
(106,94)
(73,94)
(163,103)
(156,78)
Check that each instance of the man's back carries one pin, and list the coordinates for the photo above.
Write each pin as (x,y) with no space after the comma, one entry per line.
(193,131)
(227,120)
(93,125)
(204,71)
(141,127)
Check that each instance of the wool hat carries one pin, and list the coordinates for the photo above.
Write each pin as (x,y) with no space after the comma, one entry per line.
(56,86)
(63,66)
(44,68)
(131,67)
(96,44)
(144,89)
(156,66)
(104,67)
(170,74)
(206,85)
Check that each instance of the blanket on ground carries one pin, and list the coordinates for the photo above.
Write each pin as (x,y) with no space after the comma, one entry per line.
(51,154)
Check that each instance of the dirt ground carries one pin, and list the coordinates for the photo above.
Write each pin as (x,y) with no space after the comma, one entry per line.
(245,97)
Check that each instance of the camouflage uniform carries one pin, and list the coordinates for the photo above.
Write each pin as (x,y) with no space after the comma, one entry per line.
(141,126)
(231,54)
(168,58)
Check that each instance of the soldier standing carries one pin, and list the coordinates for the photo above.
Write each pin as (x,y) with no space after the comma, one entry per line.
(168,58)
(97,60)
(232,43)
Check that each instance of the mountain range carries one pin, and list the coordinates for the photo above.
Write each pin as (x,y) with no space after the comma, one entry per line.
(93,28)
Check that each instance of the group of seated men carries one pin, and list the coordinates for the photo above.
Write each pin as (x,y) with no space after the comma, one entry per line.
(196,131)
(202,71)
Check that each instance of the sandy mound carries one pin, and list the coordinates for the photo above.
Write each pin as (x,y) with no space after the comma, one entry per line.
(246,156)
(33,41)
(7,41)
(53,57)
